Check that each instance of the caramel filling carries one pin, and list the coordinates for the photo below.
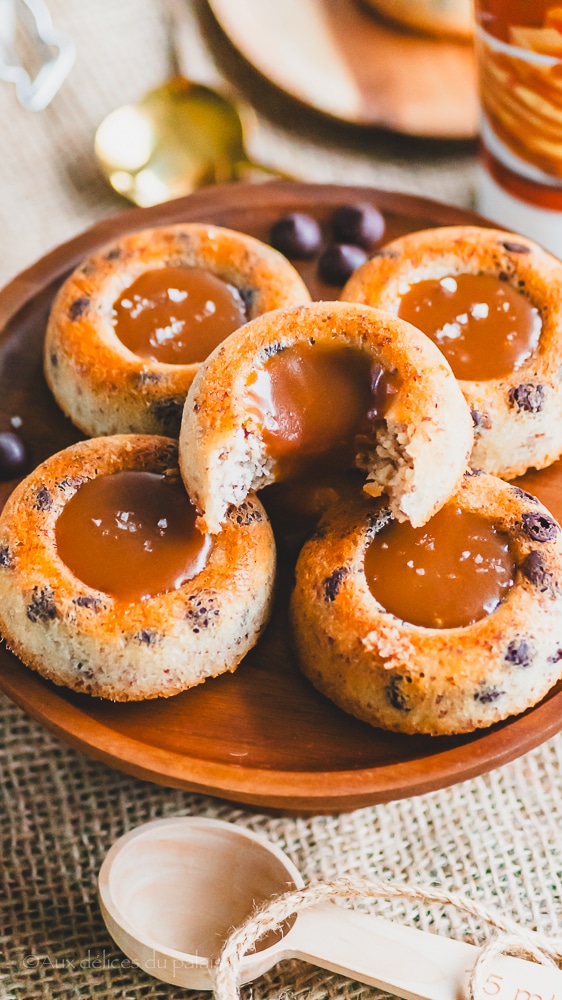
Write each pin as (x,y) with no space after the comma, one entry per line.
(295,506)
(453,571)
(132,535)
(485,328)
(317,404)
(177,315)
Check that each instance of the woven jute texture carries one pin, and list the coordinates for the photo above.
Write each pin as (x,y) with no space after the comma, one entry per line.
(498,837)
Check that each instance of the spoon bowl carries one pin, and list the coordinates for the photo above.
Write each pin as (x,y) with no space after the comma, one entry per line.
(172,890)
(177,138)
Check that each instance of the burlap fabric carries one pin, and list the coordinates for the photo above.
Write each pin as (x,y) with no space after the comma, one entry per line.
(498,837)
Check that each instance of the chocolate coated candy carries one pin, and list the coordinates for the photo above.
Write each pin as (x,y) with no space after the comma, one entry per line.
(360,224)
(517,248)
(296,235)
(339,261)
(13,456)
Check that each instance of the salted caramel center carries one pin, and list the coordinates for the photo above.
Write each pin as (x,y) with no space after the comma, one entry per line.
(294,506)
(485,328)
(131,535)
(177,315)
(453,571)
(315,403)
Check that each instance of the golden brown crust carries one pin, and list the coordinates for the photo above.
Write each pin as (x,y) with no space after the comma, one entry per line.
(99,383)
(83,638)
(420,453)
(517,419)
(420,680)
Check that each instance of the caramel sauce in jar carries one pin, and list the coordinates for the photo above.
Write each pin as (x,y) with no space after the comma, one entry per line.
(485,328)
(131,535)
(520,94)
(447,574)
(177,315)
(316,404)
(497,16)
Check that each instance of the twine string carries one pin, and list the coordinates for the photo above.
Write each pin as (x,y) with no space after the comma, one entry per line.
(508,938)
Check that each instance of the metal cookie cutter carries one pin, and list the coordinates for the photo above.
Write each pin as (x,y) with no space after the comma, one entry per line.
(54,50)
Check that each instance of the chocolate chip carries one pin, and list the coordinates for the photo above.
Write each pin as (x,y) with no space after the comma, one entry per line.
(397,693)
(42,607)
(54,360)
(78,307)
(556,656)
(70,482)
(168,460)
(297,235)
(248,296)
(481,419)
(169,413)
(86,601)
(473,472)
(270,350)
(534,569)
(5,557)
(13,455)
(339,261)
(527,397)
(113,254)
(485,695)
(523,494)
(247,513)
(333,583)
(360,224)
(43,499)
(520,652)
(503,276)
(87,672)
(379,520)
(148,377)
(203,610)
(390,254)
(147,636)
(516,247)
(540,527)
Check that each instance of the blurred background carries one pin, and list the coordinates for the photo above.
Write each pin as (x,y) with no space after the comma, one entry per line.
(52,188)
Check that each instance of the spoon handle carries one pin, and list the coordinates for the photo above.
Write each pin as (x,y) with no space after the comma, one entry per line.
(410,963)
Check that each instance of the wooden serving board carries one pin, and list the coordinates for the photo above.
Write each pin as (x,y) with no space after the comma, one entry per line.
(338,57)
(262,736)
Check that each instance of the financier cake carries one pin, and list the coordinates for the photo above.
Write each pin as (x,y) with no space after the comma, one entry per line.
(492,301)
(131,325)
(325,385)
(439,630)
(107,586)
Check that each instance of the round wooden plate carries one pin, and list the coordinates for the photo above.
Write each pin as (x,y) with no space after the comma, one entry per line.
(262,736)
(338,57)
